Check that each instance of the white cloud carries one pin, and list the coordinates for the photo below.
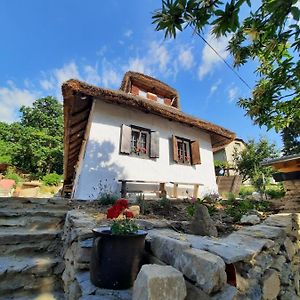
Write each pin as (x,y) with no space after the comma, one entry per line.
(232,94)
(128,33)
(158,55)
(12,98)
(68,71)
(186,58)
(46,84)
(215,86)
(209,58)
(91,75)
(138,65)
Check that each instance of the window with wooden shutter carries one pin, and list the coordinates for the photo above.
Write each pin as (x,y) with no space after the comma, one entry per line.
(140,142)
(154,144)
(125,146)
(195,149)
(175,148)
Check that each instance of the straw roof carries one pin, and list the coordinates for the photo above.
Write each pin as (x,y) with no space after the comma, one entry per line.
(78,97)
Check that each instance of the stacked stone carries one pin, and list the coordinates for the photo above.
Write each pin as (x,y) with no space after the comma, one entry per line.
(265,258)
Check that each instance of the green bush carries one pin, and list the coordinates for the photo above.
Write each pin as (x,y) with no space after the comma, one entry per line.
(275,191)
(246,190)
(52,179)
(108,198)
(237,208)
(12,174)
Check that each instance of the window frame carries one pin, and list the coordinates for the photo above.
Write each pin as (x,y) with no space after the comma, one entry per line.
(140,131)
(187,143)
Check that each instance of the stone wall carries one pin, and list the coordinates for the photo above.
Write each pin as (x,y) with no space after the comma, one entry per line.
(292,195)
(256,262)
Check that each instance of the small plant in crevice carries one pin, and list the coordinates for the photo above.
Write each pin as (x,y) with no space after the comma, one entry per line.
(165,203)
(209,202)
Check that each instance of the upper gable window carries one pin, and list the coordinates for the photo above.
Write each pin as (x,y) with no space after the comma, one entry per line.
(141,142)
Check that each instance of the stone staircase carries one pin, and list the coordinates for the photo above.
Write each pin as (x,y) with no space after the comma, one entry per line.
(30,245)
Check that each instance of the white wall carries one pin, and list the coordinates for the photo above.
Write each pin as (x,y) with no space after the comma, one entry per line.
(102,165)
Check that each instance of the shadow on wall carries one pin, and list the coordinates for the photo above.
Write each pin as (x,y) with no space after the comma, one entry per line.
(99,174)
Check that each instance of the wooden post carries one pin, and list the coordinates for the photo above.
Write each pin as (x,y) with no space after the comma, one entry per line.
(162,189)
(196,189)
(123,189)
(175,190)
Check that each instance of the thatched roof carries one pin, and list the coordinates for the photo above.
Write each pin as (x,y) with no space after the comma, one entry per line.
(78,97)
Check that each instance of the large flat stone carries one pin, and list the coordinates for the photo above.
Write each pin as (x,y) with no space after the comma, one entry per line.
(236,247)
(205,269)
(264,231)
(157,282)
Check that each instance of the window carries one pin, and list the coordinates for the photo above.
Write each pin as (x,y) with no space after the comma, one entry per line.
(183,150)
(137,141)
(140,142)
(186,151)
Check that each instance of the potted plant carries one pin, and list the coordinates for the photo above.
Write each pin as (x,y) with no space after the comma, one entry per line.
(117,251)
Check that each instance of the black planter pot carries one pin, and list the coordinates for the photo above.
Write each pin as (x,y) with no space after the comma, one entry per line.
(116,259)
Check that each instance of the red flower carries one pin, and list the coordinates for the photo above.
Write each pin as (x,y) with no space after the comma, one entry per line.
(129,214)
(122,202)
(117,209)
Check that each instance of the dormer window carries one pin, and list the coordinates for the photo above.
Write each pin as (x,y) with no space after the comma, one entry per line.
(150,88)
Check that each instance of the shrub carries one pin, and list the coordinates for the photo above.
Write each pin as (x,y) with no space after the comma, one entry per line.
(275,191)
(52,179)
(108,198)
(246,190)
(237,208)
(12,174)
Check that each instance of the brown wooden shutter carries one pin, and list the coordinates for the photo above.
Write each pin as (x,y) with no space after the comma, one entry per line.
(195,148)
(125,139)
(175,148)
(154,144)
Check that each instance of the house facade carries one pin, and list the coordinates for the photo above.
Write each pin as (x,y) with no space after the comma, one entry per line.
(225,154)
(136,137)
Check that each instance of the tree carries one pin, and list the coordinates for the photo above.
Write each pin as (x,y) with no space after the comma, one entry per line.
(291,138)
(249,160)
(269,34)
(35,144)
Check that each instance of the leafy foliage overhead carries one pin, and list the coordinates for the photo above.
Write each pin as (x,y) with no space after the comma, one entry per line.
(268,33)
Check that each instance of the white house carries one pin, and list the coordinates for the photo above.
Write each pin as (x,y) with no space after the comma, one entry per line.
(134,139)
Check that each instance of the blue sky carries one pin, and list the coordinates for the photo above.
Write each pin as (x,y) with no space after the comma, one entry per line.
(44,43)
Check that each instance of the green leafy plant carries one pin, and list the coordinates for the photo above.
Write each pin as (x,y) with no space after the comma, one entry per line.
(165,203)
(108,198)
(209,201)
(275,191)
(246,190)
(12,174)
(237,208)
(266,32)
(52,179)
(125,226)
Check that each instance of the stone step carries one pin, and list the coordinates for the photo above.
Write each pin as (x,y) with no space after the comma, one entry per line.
(13,236)
(23,295)
(40,273)
(32,222)
(15,212)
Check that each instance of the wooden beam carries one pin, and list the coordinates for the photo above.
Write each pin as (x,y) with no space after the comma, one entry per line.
(196,190)
(77,127)
(80,116)
(76,136)
(75,144)
(175,190)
